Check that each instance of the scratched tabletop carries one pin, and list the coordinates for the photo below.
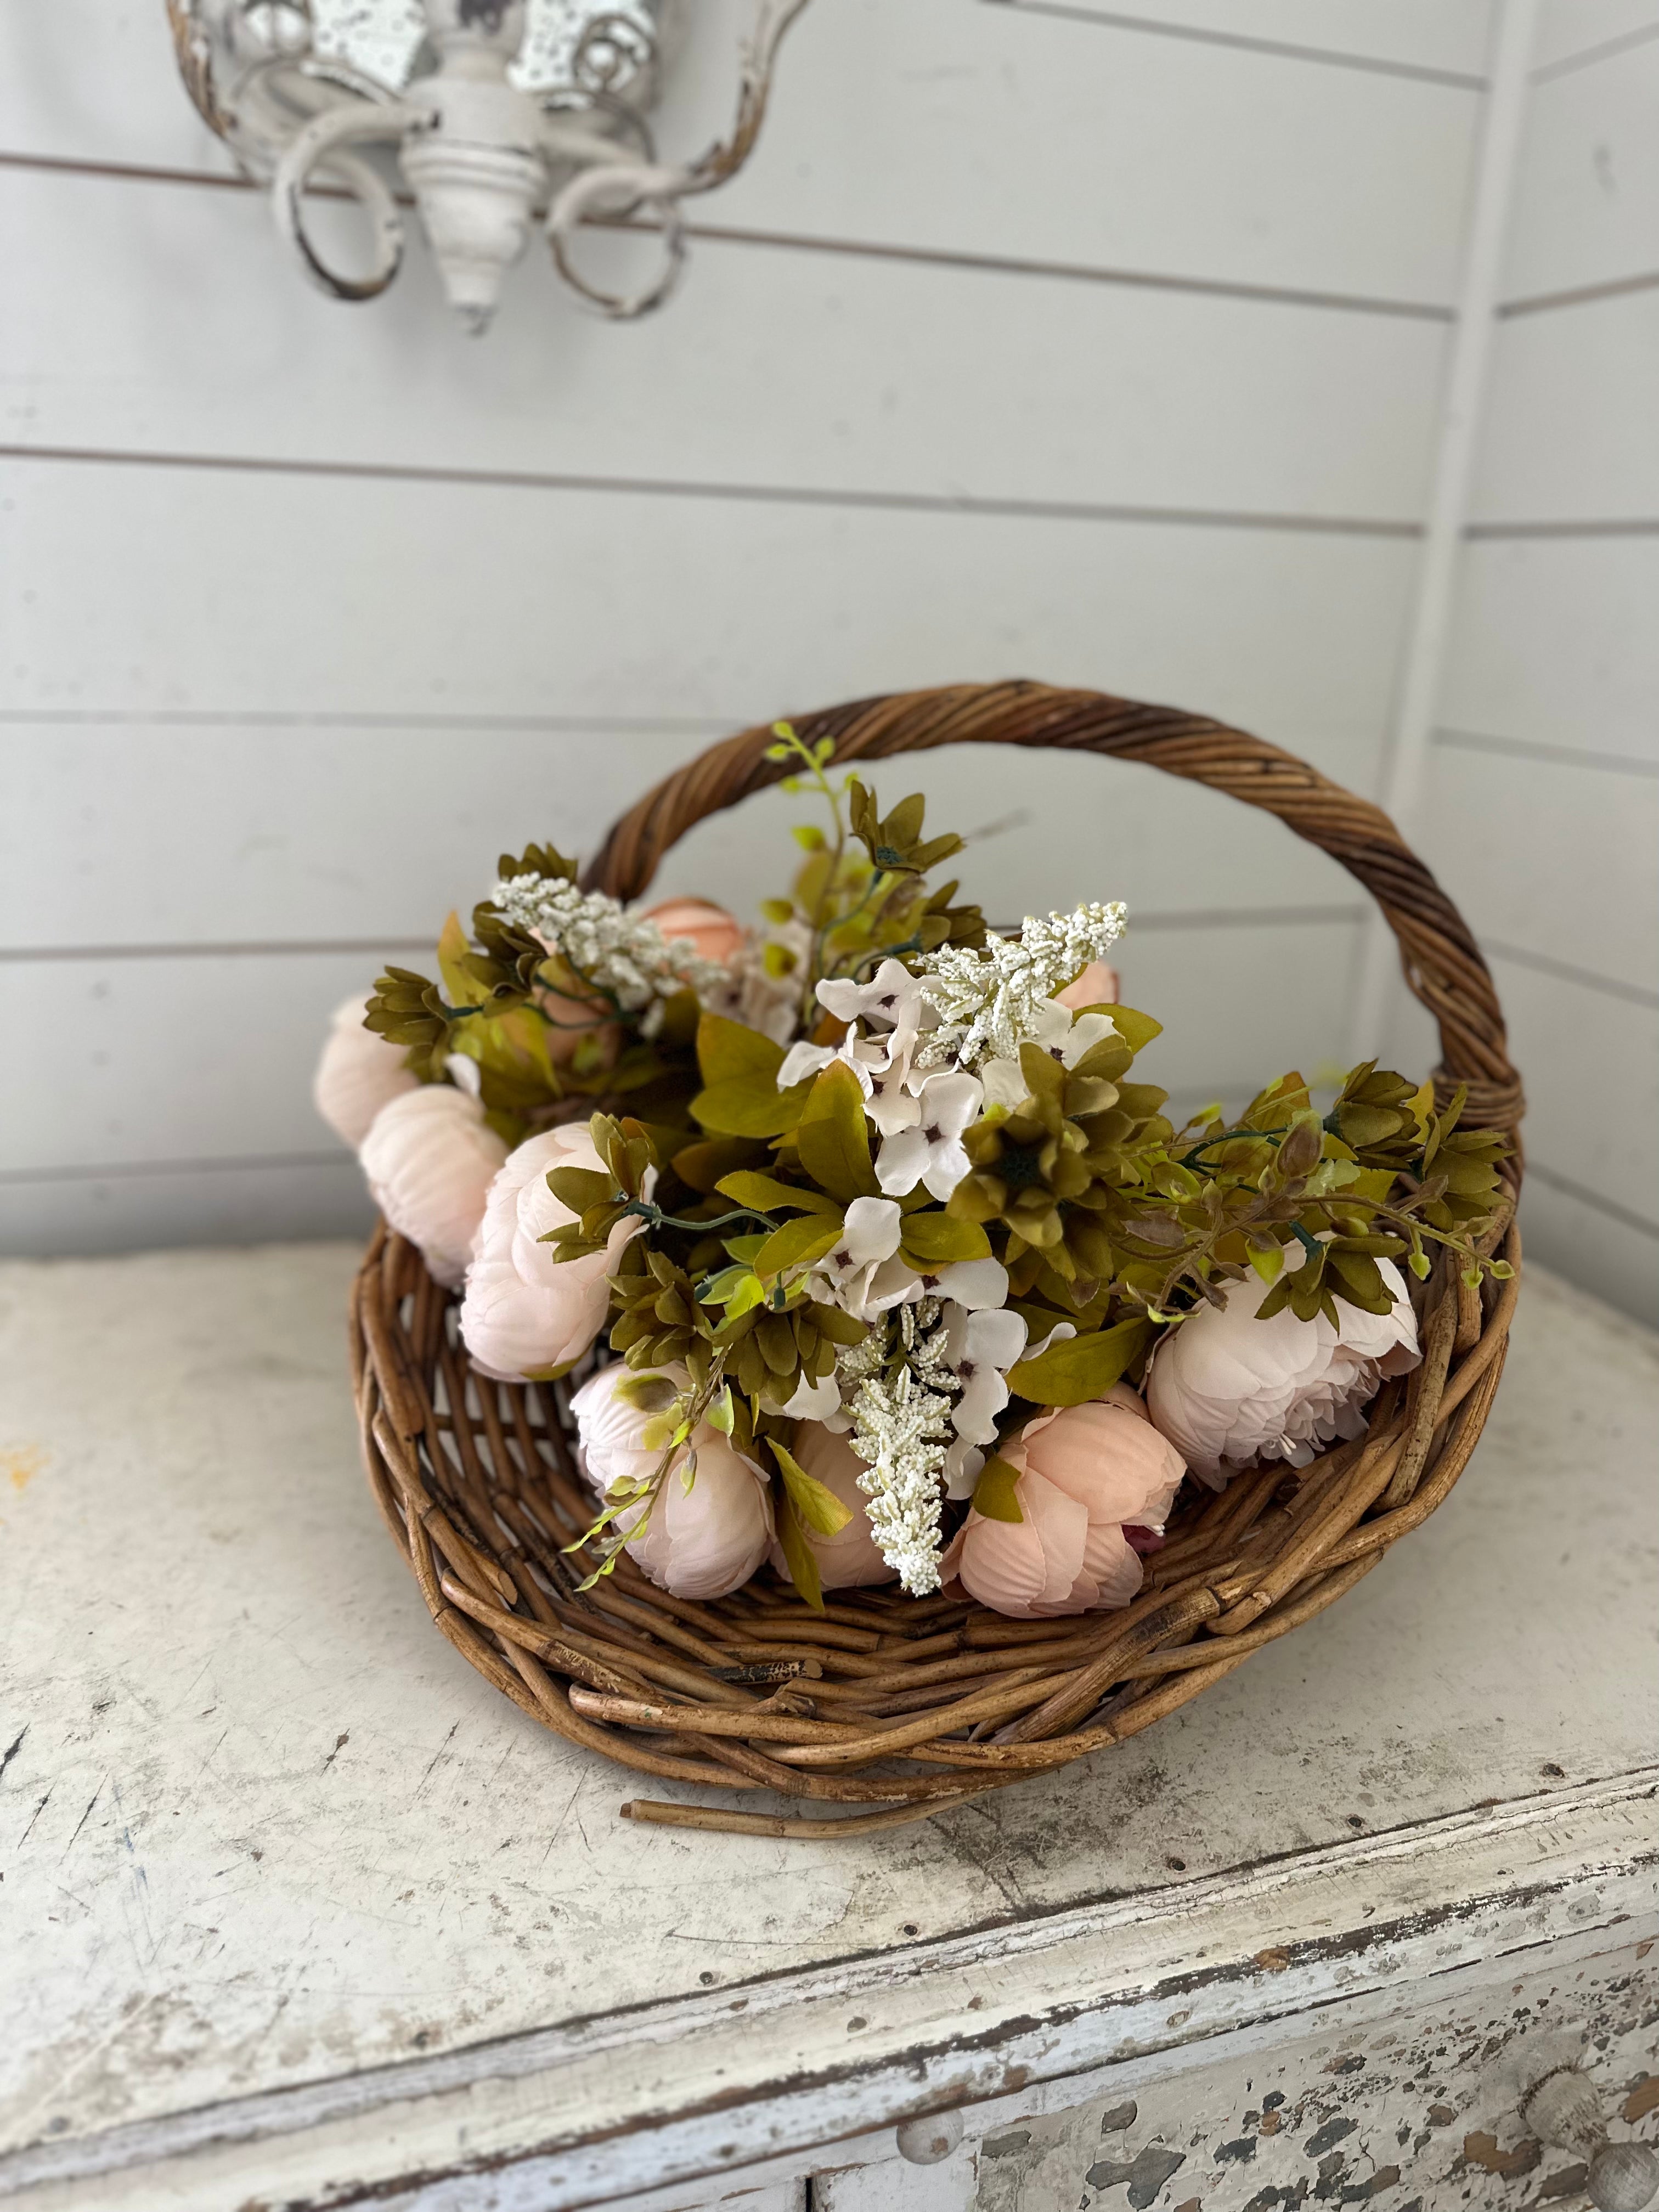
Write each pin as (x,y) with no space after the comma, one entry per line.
(260,1827)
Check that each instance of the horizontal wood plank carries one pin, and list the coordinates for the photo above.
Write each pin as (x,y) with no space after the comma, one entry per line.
(1575,1232)
(1410,34)
(1591,1064)
(216,1202)
(1589,177)
(150,588)
(1570,432)
(773,369)
(1570,31)
(904,126)
(1518,843)
(254,835)
(1554,641)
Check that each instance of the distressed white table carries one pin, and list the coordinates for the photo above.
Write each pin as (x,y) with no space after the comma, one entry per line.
(295,1911)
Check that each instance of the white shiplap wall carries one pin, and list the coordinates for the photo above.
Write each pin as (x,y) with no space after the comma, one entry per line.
(1542,802)
(1104,344)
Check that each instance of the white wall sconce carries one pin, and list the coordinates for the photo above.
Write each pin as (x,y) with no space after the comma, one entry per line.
(491,114)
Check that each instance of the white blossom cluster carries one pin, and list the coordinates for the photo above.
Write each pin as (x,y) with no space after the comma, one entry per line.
(989,1001)
(900,1422)
(620,954)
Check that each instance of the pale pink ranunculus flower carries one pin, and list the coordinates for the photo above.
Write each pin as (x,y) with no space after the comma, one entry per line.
(698,1543)
(713,933)
(1231,1390)
(608,1423)
(526,1312)
(851,1558)
(359,1072)
(1095,986)
(430,1158)
(1086,1473)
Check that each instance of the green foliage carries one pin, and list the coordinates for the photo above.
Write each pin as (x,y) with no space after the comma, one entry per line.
(994,1493)
(1079,1368)
(895,842)
(832,1136)
(740,1096)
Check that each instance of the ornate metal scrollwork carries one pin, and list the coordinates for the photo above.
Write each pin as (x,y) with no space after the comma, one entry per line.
(492,113)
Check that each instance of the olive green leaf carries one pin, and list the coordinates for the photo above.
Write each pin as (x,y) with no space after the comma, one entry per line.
(726,1050)
(1081,1367)
(537,861)
(798,1242)
(767,1192)
(894,841)
(994,1493)
(1137,1030)
(834,1137)
(934,1240)
(798,1553)
(819,1508)
(740,1098)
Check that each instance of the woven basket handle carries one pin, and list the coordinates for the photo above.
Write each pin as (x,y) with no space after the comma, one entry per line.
(1441,960)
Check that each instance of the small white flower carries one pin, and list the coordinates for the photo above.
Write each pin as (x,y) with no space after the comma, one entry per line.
(867,1057)
(931,1152)
(1056,1031)
(976,1284)
(863,1274)
(891,997)
(965,1463)
(981,1347)
(892,1103)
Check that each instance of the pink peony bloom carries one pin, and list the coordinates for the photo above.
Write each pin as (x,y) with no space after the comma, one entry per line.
(850,1558)
(1086,1473)
(527,1312)
(1229,1390)
(430,1158)
(358,1074)
(1095,986)
(609,1424)
(714,934)
(698,1543)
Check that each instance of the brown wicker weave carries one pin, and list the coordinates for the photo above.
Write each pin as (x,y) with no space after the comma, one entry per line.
(883,1700)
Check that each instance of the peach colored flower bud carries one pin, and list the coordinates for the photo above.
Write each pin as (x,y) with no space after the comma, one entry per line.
(1084,1473)
(714,933)
(700,1542)
(1229,1389)
(1095,986)
(430,1158)
(526,1311)
(358,1074)
(850,1559)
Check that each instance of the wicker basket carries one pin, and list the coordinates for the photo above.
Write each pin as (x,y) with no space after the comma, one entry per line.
(915,1704)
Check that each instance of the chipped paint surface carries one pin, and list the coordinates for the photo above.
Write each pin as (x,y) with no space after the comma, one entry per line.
(1426,2109)
(1424,2112)
(269,1847)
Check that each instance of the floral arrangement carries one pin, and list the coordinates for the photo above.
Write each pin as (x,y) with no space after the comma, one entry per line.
(851,1240)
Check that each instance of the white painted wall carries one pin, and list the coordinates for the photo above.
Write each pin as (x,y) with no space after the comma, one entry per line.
(1104,344)
(1540,806)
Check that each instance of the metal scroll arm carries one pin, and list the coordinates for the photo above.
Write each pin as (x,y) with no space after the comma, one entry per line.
(620,189)
(321,144)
